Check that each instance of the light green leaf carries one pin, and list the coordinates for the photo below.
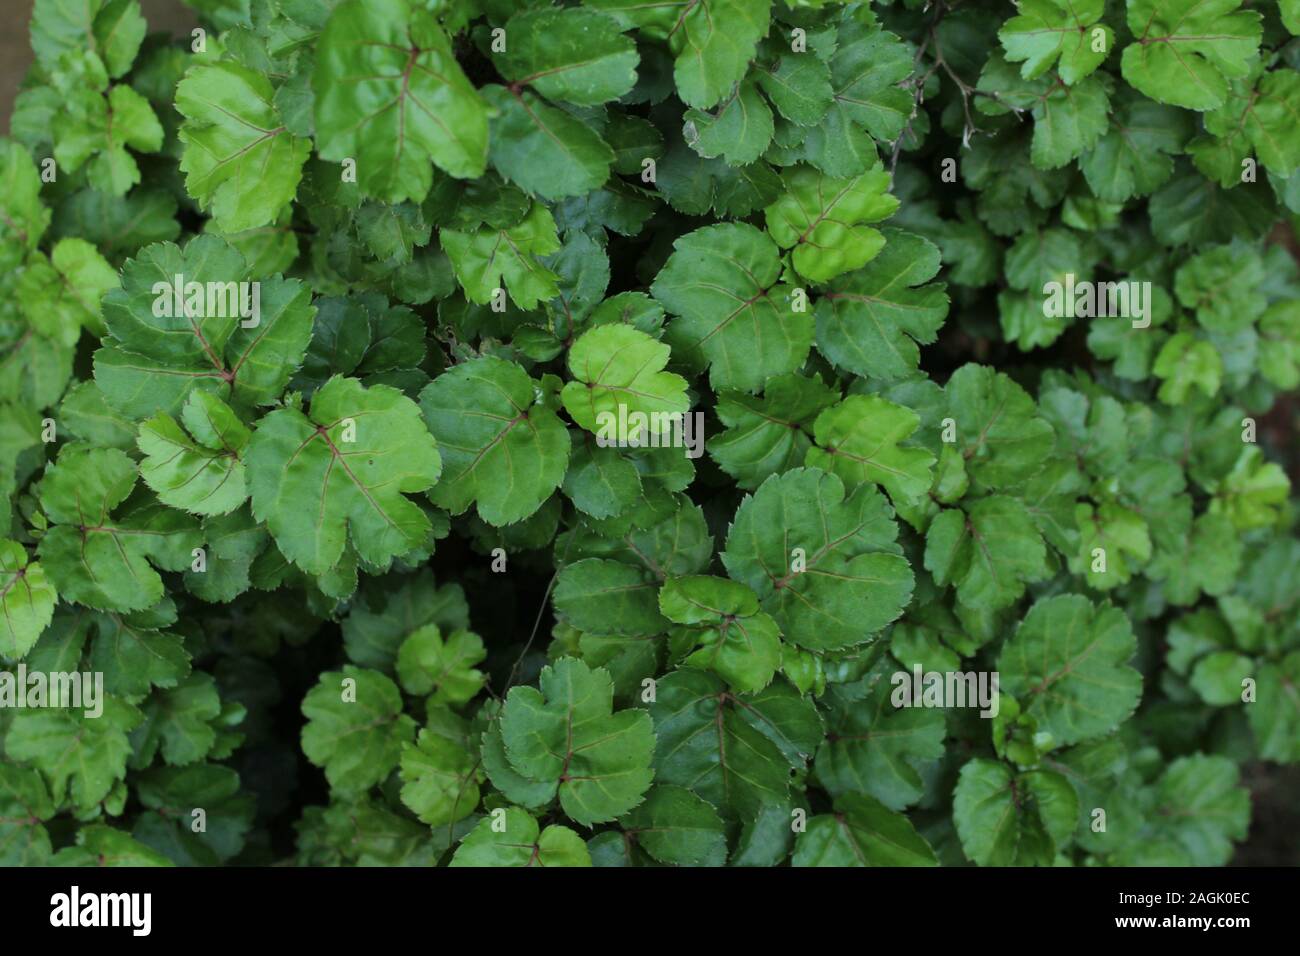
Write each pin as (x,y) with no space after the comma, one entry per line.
(202,474)
(340,474)
(355,728)
(860,441)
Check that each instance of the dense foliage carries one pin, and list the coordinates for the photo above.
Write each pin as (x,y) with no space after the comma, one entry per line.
(369,582)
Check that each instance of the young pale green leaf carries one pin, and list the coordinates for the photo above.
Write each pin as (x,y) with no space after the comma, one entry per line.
(97,553)
(428,665)
(440,781)
(734,639)
(499,448)
(340,474)
(201,472)
(1045,30)
(61,295)
(80,755)
(621,392)
(488,259)
(822,220)
(391,98)
(860,440)
(159,350)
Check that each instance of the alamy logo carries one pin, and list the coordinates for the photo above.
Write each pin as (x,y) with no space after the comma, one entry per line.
(103,909)
(242,300)
(626,429)
(946,689)
(1088,300)
(66,689)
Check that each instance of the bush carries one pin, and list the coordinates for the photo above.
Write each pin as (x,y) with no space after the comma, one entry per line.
(491,433)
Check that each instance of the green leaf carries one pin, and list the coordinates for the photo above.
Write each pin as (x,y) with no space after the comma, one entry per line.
(717,745)
(439,779)
(988,552)
(860,441)
(1185,51)
(27,598)
(547,151)
(80,757)
(1044,30)
(341,474)
(428,665)
(677,828)
(156,354)
(713,41)
(102,553)
(1187,362)
(733,313)
(391,97)
(489,259)
(874,747)
(733,637)
(499,448)
(513,840)
(202,474)
(62,295)
(824,566)
(870,321)
(608,597)
(240,161)
(25,805)
(1275,715)
(861,832)
(768,434)
(620,390)
(799,86)
(355,728)
(567,731)
(99,845)
(999,432)
(740,131)
(1005,819)
(1067,664)
(1134,156)
(575,55)
(822,220)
